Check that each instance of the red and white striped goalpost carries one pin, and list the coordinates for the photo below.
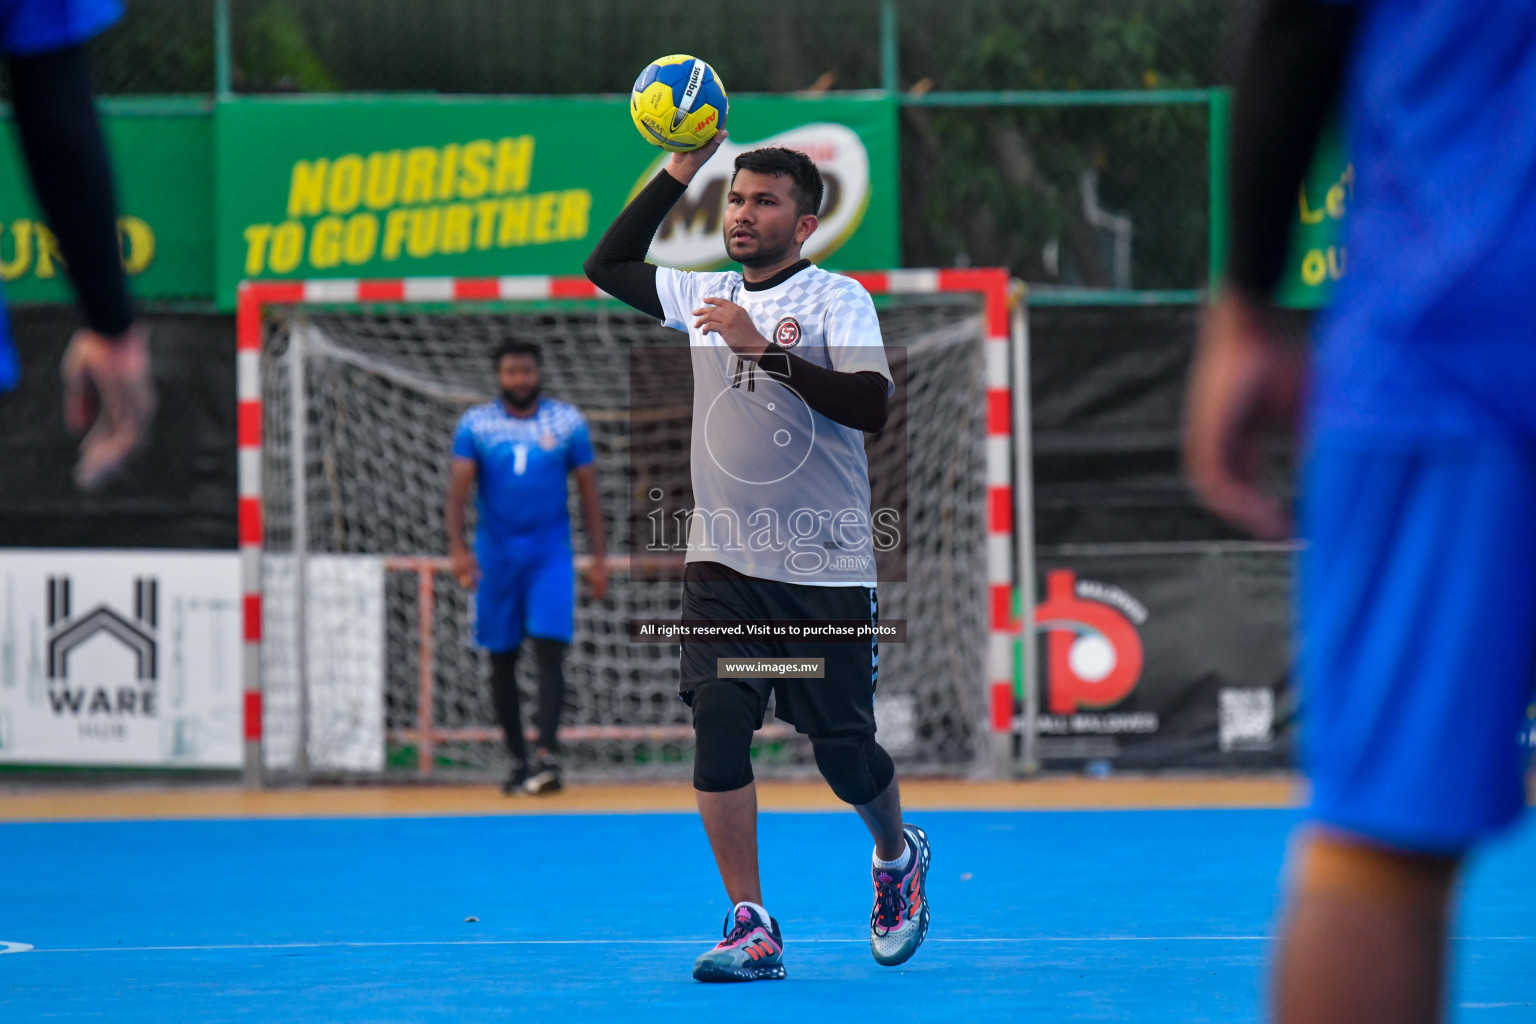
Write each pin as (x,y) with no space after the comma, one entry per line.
(1008,481)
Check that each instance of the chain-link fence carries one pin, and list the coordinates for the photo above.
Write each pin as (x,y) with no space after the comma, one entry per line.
(159,47)
(594,46)
(1066,44)
(1112,197)
(575,46)
(1064,194)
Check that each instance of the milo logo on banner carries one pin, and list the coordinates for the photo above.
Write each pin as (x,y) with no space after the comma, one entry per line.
(690,238)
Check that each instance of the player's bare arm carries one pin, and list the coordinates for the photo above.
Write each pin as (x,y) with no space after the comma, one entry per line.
(1245,379)
(461,560)
(109,398)
(108,394)
(591,505)
(1242,389)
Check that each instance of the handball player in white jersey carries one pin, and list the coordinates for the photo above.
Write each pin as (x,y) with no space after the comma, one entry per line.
(789,373)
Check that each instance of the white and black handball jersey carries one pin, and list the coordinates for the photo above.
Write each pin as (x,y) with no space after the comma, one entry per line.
(780,491)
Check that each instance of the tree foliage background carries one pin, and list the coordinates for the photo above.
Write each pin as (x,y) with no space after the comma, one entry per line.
(979,186)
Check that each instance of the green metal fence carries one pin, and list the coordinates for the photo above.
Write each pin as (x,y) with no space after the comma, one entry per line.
(1079,142)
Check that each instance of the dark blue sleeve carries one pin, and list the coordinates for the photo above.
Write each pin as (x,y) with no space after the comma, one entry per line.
(579,452)
(464,440)
(41,26)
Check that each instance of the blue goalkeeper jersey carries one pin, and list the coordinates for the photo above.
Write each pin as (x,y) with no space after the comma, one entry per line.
(1433,329)
(521,467)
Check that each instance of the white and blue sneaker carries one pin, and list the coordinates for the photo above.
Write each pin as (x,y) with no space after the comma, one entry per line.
(752,949)
(899,922)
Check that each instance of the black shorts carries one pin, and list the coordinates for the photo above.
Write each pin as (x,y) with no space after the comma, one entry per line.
(842,703)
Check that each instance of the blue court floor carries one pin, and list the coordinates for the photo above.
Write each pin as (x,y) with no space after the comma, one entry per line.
(1146,916)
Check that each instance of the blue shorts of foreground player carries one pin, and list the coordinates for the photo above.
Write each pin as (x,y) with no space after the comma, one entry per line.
(527,588)
(1418,625)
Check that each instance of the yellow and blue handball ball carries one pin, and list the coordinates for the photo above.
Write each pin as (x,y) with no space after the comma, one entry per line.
(678,103)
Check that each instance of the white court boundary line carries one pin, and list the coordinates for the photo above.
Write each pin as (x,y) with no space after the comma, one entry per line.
(22,947)
(607,942)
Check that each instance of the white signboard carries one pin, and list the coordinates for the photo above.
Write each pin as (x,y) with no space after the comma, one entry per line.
(120,658)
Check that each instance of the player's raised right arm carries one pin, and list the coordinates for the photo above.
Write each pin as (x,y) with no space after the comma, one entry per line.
(617,265)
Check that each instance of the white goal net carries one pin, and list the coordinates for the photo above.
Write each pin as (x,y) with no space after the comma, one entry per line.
(369,668)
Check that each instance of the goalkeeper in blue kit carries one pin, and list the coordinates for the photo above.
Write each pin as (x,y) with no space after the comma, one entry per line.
(518,451)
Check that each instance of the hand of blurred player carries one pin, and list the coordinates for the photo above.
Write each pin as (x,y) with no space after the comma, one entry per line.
(464,568)
(1243,387)
(683,166)
(596,575)
(733,324)
(110,398)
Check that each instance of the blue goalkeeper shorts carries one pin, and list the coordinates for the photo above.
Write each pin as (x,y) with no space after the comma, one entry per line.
(1418,636)
(526,589)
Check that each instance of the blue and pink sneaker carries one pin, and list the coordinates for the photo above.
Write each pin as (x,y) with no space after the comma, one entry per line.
(751,950)
(899,922)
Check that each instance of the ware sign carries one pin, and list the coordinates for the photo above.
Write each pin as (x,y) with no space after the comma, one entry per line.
(404,187)
(120,658)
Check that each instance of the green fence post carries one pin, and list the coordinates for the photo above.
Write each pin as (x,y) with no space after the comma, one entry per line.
(890,50)
(221,55)
(1220,131)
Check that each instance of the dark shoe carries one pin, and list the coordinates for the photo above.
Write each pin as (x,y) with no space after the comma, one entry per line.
(516,780)
(543,780)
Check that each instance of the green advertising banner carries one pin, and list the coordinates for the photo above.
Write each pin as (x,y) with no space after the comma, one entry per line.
(162,156)
(1317,257)
(433,186)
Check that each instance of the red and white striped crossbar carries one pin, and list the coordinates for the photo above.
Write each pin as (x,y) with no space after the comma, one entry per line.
(255,296)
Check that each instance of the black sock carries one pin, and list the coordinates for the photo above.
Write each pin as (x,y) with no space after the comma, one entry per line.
(550,655)
(508,706)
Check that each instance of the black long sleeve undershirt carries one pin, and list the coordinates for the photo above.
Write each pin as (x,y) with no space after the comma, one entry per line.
(1289,85)
(67,159)
(858,400)
(617,266)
